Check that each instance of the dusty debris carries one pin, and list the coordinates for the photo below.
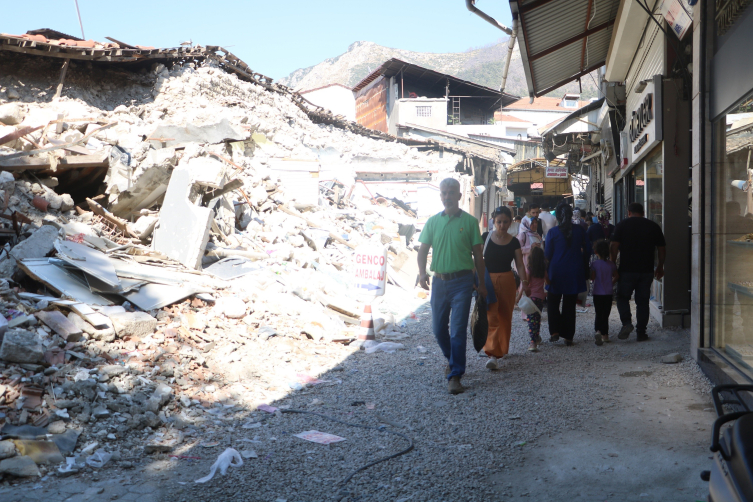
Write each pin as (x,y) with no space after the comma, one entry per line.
(161,231)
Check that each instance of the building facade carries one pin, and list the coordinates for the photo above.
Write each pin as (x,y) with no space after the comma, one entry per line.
(337,98)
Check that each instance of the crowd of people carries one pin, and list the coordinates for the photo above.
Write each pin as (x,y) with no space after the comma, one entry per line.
(549,258)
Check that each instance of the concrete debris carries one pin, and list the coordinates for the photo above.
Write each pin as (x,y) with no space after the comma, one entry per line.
(22,467)
(159,233)
(21,346)
(133,324)
(672,358)
(38,245)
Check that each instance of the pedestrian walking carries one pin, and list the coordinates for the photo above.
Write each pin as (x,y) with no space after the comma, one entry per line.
(548,221)
(533,212)
(501,249)
(528,237)
(603,275)
(514,226)
(536,273)
(637,239)
(567,245)
(455,240)
(579,218)
(602,230)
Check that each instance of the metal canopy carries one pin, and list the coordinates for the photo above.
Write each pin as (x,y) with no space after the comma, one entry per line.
(562,40)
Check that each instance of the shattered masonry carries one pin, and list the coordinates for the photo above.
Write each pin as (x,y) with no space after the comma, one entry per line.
(173,225)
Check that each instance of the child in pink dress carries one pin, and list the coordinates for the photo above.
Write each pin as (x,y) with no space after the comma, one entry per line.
(536,271)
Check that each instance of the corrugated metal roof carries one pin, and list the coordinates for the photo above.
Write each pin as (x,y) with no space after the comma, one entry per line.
(434,79)
(561,40)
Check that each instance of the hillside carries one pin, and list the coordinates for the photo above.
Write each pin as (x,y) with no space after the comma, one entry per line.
(482,66)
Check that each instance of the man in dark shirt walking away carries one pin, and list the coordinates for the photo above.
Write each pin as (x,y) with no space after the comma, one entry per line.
(457,247)
(635,238)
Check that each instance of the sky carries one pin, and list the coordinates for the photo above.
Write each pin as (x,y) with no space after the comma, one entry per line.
(274,37)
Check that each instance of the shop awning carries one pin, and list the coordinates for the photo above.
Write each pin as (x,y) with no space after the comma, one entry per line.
(562,40)
(576,116)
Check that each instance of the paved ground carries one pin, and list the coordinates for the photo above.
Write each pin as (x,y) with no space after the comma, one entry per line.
(567,423)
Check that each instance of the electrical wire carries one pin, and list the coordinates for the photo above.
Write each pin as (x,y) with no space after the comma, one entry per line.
(380,429)
(588,25)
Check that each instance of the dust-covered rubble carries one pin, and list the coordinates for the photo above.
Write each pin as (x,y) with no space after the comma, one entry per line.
(172,238)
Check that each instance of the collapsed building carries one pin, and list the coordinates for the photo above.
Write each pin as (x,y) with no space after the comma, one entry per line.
(168,216)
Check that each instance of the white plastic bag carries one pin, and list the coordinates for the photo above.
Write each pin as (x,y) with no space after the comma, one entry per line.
(388,347)
(226,459)
(527,306)
(99,459)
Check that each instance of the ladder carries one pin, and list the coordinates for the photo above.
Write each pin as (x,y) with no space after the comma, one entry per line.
(455,110)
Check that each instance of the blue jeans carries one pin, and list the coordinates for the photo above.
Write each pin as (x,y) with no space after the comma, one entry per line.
(641,284)
(452,296)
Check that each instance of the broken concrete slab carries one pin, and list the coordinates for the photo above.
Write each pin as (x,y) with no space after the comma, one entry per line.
(21,346)
(207,171)
(12,113)
(173,135)
(147,190)
(133,323)
(60,325)
(156,296)
(60,281)
(22,467)
(38,245)
(7,449)
(88,260)
(671,358)
(183,230)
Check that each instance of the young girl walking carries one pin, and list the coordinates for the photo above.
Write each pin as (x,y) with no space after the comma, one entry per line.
(603,275)
(536,271)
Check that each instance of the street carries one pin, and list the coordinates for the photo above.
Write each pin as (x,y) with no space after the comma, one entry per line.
(567,423)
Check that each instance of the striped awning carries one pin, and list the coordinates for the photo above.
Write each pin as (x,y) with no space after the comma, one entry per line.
(562,40)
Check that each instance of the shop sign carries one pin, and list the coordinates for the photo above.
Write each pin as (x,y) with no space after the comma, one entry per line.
(555,171)
(644,128)
(370,270)
(679,16)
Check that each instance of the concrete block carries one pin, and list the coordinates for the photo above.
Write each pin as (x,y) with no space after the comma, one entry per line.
(183,231)
(7,449)
(39,245)
(22,467)
(207,171)
(11,113)
(133,324)
(671,358)
(21,346)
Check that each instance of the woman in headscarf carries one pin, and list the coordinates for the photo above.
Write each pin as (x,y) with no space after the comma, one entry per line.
(567,245)
(602,230)
(528,237)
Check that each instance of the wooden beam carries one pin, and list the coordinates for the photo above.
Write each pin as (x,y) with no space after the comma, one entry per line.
(40,164)
(63,71)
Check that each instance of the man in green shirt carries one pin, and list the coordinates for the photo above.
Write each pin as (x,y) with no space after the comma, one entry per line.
(457,247)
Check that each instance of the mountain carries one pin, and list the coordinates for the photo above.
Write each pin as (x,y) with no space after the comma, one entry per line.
(482,66)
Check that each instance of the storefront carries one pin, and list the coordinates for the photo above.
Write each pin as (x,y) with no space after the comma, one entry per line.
(653,171)
(723,284)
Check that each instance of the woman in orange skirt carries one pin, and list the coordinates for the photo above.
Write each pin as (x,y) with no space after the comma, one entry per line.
(500,249)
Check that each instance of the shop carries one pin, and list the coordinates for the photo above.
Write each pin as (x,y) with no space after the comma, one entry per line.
(654,155)
(723,227)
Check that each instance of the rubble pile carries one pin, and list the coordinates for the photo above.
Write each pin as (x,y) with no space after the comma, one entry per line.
(154,308)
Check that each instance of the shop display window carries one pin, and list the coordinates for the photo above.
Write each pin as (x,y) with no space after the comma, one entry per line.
(732,252)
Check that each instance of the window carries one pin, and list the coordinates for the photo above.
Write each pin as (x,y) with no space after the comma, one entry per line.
(423,111)
(732,237)
(571,103)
